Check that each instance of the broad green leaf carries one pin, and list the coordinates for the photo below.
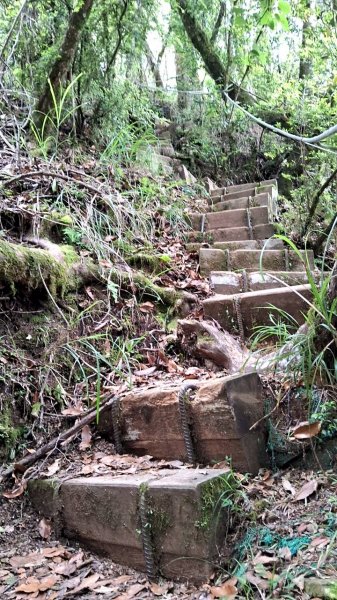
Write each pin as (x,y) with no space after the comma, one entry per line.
(284,7)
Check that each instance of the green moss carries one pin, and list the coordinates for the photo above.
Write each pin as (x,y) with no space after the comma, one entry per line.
(60,218)
(153,262)
(9,434)
(20,265)
(216,495)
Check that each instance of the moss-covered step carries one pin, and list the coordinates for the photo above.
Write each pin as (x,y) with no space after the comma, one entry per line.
(226,219)
(229,282)
(241,313)
(220,414)
(213,259)
(174,517)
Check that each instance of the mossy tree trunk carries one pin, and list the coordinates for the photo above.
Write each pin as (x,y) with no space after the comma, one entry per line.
(59,269)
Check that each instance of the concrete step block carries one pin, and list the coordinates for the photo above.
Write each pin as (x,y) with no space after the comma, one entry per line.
(245,186)
(182,512)
(258,232)
(248,310)
(272,260)
(150,422)
(252,260)
(247,193)
(245,202)
(227,219)
(227,282)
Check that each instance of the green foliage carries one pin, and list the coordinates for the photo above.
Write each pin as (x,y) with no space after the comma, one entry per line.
(304,359)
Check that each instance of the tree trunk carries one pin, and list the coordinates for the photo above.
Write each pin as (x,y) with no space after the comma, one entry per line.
(60,69)
(207,51)
(305,62)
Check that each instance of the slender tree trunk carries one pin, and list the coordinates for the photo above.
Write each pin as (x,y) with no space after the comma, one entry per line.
(305,62)
(58,73)
(315,202)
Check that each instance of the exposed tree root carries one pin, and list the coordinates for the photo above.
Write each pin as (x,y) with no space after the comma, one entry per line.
(60,269)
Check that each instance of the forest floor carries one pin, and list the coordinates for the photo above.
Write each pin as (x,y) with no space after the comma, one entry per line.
(283,530)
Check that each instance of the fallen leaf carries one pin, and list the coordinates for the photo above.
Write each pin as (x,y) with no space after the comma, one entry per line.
(227,590)
(320,542)
(158,590)
(288,487)
(66,568)
(73,411)
(53,468)
(18,491)
(145,372)
(262,559)
(89,293)
(146,307)
(87,583)
(45,528)
(30,586)
(306,490)
(85,438)
(53,551)
(306,430)
(285,553)
(48,582)
(30,560)
(257,581)
(132,592)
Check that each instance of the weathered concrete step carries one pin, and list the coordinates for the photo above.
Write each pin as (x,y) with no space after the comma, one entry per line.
(271,244)
(239,217)
(251,193)
(257,232)
(220,415)
(246,202)
(244,186)
(228,282)
(214,259)
(179,511)
(241,313)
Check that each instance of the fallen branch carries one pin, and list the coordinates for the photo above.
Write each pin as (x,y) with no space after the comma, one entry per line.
(53,445)
(44,173)
(204,340)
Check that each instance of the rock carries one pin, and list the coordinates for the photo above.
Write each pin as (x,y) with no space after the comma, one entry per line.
(321,588)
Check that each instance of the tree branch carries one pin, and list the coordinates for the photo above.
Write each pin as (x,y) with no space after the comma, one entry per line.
(218,22)
(315,202)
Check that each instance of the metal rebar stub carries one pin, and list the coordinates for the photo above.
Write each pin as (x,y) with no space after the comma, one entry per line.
(237,306)
(115,425)
(249,221)
(286,259)
(244,279)
(145,527)
(187,387)
(202,223)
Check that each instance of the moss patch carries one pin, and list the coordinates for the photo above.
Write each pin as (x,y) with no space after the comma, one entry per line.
(30,267)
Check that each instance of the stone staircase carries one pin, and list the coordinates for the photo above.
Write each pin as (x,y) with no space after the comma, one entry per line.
(171,521)
(245,280)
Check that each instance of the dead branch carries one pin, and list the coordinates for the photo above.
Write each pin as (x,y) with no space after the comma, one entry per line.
(53,445)
(43,173)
